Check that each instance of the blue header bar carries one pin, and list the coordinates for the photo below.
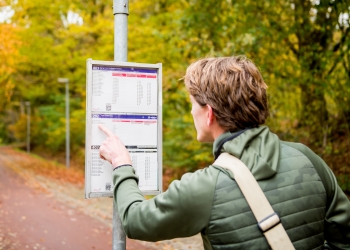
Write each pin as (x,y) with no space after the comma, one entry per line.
(133,117)
(123,69)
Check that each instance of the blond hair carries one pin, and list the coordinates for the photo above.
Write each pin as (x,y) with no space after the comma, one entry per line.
(233,87)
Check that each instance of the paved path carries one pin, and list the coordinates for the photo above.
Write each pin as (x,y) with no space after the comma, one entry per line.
(42,212)
(31,219)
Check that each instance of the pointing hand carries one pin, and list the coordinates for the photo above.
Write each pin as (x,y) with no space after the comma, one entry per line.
(113,150)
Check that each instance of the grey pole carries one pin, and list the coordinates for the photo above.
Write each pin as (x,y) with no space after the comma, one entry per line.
(28,126)
(66,81)
(121,12)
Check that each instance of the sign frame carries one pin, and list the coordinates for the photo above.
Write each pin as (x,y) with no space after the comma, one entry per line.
(89,112)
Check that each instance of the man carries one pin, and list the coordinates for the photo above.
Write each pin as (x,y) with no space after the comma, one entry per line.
(229,105)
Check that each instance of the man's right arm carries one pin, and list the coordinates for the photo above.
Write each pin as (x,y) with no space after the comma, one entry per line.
(182,211)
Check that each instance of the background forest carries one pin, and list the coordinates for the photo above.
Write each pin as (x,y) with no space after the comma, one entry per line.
(301,47)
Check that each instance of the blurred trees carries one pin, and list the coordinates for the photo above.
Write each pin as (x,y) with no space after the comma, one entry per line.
(315,37)
(56,39)
(301,47)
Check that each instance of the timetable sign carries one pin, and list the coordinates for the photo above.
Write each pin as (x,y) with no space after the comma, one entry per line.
(127,99)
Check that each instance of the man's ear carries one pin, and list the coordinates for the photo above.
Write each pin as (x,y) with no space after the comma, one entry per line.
(210,115)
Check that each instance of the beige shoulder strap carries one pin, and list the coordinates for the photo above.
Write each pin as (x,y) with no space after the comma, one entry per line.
(268,220)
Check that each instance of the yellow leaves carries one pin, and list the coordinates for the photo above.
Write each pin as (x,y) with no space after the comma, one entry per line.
(19,129)
(9,45)
(247,39)
(9,86)
(9,56)
(56,137)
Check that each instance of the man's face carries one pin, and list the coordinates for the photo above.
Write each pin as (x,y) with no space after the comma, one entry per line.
(200,118)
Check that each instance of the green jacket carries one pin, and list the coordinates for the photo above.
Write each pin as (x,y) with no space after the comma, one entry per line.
(299,185)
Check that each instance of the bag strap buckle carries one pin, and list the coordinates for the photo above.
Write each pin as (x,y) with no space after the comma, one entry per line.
(269,222)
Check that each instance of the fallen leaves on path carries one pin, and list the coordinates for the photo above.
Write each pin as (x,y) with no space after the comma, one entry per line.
(66,185)
(19,161)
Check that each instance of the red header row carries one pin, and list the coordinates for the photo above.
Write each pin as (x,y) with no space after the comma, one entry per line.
(134,75)
(134,121)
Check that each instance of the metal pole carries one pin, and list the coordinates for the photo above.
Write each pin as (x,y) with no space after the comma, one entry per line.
(67,125)
(121,12)
(28,126)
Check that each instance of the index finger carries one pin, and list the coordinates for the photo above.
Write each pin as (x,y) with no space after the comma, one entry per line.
(106,130)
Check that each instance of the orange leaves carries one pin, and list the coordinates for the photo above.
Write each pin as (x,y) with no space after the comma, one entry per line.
(9,56)
(9,45)
(24,162)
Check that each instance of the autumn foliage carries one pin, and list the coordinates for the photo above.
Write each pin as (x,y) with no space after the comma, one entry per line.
(22,162)
(301,48)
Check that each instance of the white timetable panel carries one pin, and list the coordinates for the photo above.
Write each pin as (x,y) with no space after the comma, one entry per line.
(133,130)
(124,89)
(126,98)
